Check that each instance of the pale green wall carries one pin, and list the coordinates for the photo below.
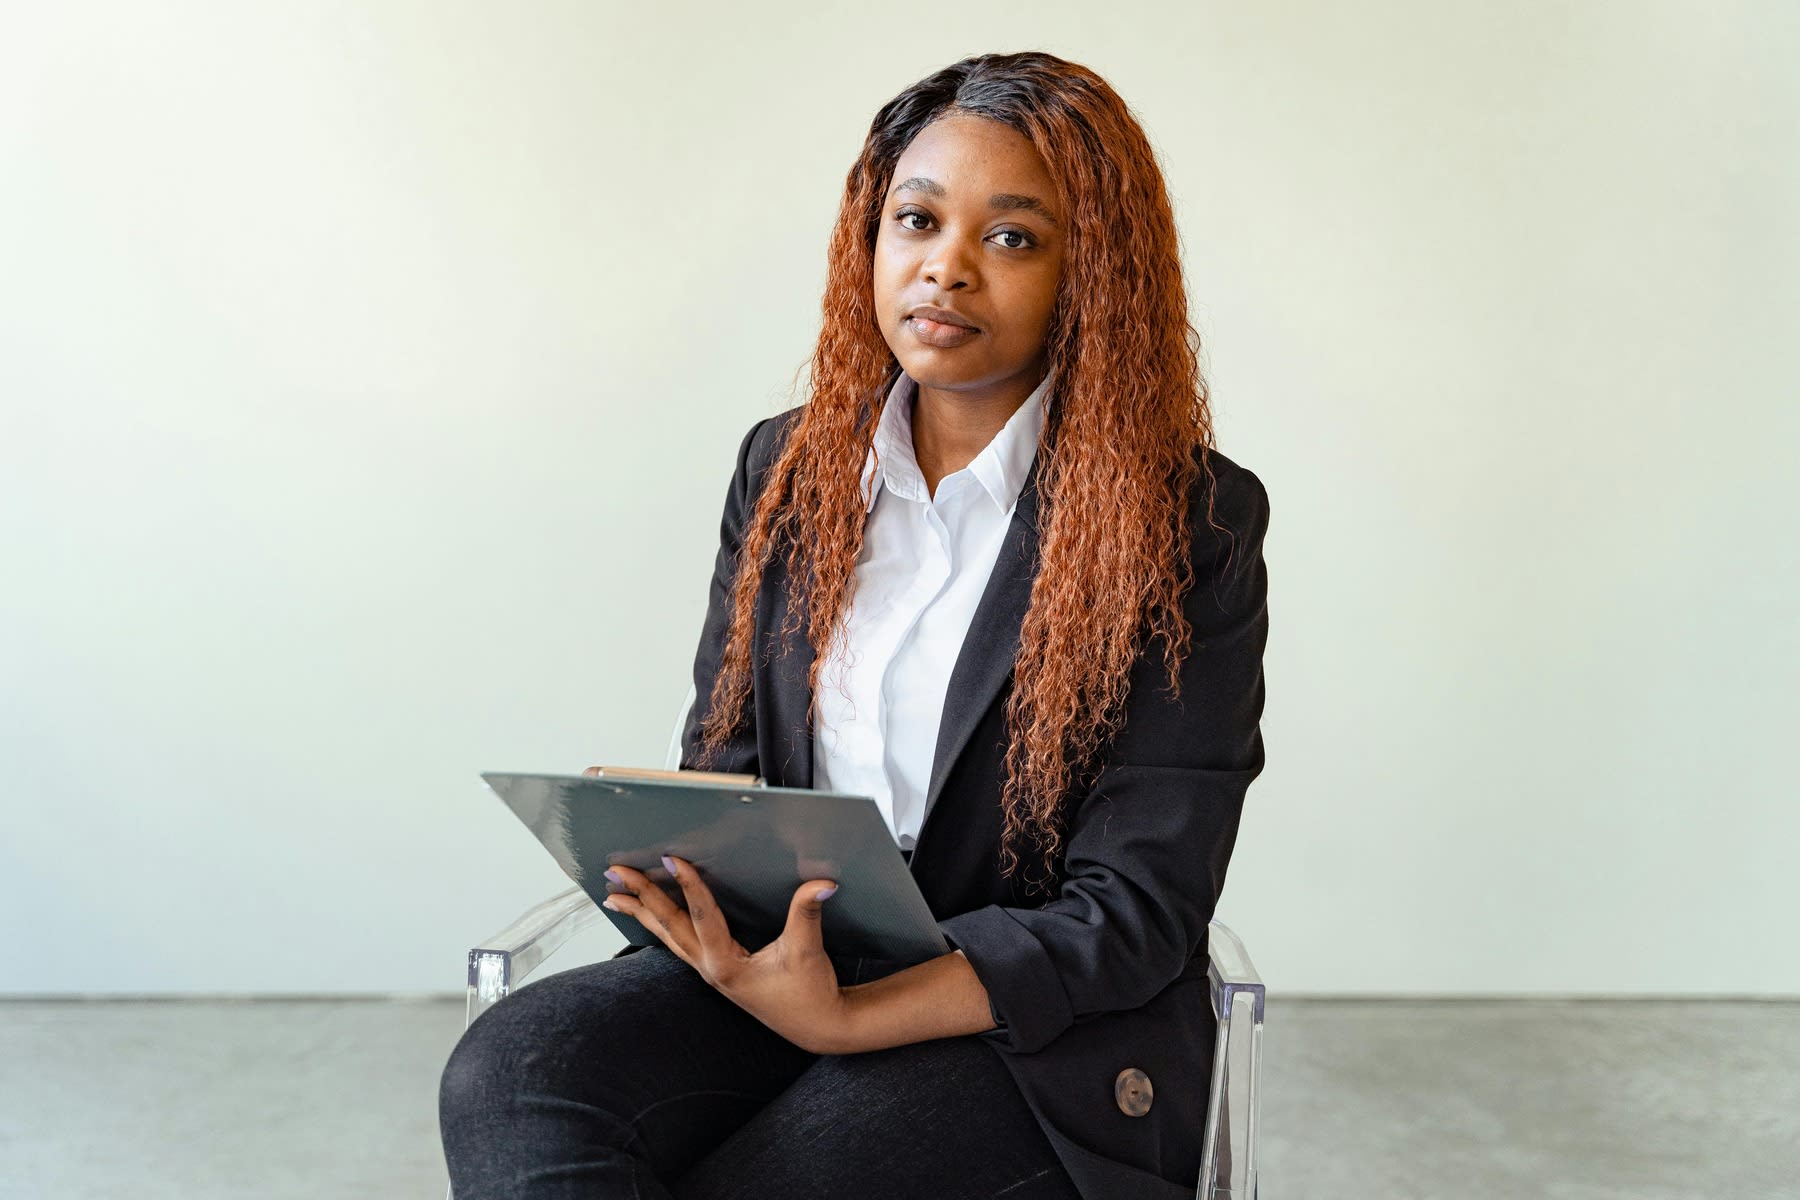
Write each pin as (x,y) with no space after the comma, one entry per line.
(370,375)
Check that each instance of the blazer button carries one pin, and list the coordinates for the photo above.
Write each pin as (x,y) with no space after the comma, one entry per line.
(1133,1092)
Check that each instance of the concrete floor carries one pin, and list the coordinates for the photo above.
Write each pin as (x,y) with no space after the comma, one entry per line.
(1571,1100)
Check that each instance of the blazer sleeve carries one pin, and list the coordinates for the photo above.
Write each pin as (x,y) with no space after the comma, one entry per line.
(740,754)
(1147,846)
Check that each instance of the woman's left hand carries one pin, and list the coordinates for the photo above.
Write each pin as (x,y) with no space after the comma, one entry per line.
(789,985)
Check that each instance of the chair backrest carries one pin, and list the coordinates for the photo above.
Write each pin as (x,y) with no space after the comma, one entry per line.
(672,759)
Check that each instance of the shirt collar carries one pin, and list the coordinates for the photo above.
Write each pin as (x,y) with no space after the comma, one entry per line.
(1000,468)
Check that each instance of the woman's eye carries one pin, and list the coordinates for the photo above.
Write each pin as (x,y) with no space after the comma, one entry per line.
(1025,240)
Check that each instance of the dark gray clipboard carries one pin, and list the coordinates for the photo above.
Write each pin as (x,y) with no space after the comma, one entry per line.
(754,845)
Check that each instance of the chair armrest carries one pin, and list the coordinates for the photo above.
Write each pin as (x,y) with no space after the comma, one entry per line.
(1230,972)
(1228,1159)
(502,962)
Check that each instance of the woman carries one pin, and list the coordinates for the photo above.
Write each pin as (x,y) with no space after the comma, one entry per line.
(994,575)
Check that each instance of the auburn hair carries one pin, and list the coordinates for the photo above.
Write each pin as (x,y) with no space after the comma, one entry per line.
(1124,443)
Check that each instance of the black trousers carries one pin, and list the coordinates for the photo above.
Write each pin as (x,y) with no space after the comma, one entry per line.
(634,1078)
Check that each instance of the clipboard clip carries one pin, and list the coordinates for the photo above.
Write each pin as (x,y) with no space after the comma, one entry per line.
(726,778)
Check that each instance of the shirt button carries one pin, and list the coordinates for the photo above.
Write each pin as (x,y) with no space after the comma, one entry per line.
(1132,1090)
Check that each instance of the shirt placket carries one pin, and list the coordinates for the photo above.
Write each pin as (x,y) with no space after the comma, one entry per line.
(927,585)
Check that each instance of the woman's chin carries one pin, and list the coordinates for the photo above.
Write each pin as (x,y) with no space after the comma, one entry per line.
(945,370)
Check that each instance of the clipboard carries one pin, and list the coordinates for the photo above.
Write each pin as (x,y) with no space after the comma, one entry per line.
(754,845)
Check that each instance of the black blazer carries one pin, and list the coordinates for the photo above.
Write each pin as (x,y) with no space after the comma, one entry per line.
(1110,976)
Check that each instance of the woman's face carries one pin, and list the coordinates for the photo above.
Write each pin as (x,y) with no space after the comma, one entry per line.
(970,225)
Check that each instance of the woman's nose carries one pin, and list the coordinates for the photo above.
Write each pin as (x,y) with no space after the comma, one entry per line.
(950,265)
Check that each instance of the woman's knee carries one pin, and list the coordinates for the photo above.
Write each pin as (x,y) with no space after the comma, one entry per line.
(499,1046)
(551,1034)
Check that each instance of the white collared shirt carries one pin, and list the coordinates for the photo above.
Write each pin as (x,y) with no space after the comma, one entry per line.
(925,562)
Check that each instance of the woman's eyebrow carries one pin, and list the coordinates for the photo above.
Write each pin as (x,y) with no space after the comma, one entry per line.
(1021,203)
(1000,201)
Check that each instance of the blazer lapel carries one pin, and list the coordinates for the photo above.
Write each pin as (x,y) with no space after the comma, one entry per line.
(985,661)
(785,731)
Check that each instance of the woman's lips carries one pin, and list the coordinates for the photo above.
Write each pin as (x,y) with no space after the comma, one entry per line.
(938,333)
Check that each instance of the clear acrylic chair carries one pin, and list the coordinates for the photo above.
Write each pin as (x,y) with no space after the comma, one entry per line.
(502,963)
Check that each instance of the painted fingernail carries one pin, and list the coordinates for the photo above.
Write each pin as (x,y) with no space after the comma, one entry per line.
(607,903)
(614,875)
(668,864)
(828,893)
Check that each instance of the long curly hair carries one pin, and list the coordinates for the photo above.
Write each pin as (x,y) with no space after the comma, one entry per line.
(1124,442)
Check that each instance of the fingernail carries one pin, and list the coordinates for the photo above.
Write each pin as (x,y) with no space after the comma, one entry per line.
(828,893)
(614,875)
(668,864)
